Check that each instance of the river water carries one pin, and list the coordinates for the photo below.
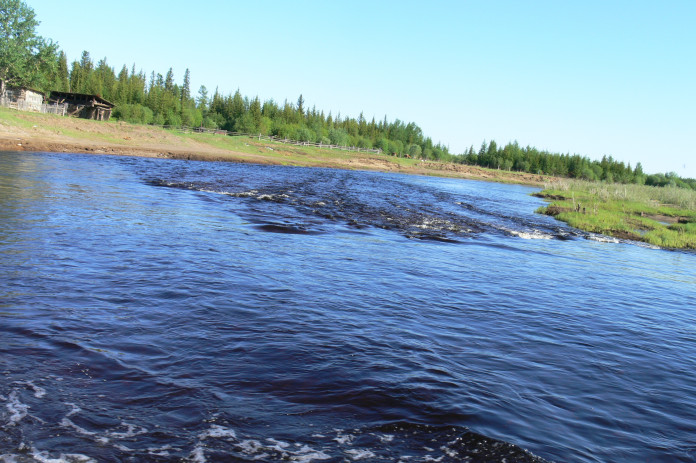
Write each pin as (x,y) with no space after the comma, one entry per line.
(159,310)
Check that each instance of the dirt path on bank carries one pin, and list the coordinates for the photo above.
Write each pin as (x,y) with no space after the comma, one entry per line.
(44,133)
(69,135)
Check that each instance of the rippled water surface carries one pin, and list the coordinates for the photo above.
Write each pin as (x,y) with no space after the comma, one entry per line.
(157,310)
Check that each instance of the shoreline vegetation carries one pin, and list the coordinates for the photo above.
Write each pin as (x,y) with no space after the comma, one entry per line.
(664,216)
(24,131)
(660,216)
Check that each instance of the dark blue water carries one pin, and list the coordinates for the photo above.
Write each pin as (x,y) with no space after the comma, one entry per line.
(157,310)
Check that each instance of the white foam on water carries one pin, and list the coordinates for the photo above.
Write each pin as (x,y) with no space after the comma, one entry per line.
(122,448)
(74,409)
(270,449)
(258,451)
(341,439)
(602,238)
(197,454)
(610,239)
(17,409)
(8,458)
(39,392)
(243,194)
(250,446)
(271,197)
(44,457)
(279,443)
(429,458)
(449,452)
(160,451)
(439,224)
(359,454)
(645,245)
(67,423)
(217,431)
(307,454)
(131,431)
(530,235)
(385,438)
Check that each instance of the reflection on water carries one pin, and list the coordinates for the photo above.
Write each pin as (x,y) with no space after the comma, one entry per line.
(168,310)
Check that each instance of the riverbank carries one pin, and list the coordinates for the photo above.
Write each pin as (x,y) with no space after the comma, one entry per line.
(22,131)
(660,216)
(664,217)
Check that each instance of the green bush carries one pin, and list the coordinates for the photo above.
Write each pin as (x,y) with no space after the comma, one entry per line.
(282,130)
(209,123)
(134,113)
(158,119)
(304,134)
(246,124)
(173,119)
(338,137)
(415,151)
(396,147)
(191,117)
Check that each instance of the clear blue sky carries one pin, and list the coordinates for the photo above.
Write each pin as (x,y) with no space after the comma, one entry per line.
(586,77)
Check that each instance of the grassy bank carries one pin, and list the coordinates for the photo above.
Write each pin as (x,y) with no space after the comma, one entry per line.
(664,217)
(45,132)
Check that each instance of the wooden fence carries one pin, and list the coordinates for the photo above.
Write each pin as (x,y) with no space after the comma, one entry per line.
(286,140)
(61,110)
(23,105)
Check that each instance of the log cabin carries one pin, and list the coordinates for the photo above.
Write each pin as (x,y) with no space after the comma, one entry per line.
(84,105)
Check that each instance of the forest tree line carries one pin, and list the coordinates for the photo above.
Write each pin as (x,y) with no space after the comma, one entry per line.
(160,100)
(29,60)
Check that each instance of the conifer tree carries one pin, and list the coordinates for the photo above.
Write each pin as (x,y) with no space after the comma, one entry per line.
(61,80)
(186,88)
(300,105)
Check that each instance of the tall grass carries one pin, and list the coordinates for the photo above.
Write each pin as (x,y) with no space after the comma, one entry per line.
(679,198)
(663,216)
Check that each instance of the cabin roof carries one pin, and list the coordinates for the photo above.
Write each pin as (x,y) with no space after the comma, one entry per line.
(27,88)
(81,96)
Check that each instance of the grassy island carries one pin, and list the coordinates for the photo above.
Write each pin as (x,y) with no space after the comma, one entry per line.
(661,216)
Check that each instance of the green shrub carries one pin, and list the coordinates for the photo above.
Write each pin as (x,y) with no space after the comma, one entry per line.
(158,119)
(338,137)
(304,134)
(415,151)
(173,119)
(133,113)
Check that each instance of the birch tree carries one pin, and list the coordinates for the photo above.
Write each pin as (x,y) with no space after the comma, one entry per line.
(26,59)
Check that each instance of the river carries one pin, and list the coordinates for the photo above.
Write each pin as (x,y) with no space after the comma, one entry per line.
(162,310)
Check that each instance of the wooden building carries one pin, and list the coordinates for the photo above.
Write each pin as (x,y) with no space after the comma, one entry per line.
(22,98)
(84,105)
